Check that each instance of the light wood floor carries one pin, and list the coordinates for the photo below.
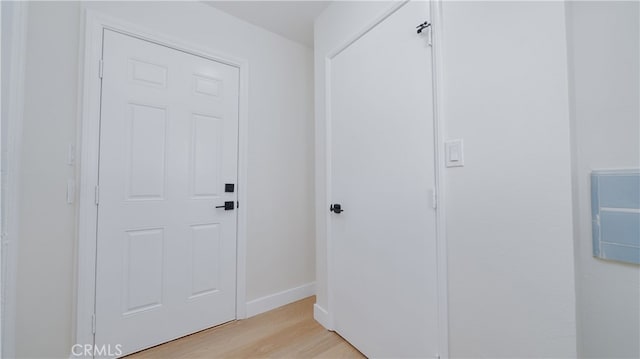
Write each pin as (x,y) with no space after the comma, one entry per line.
(286,332)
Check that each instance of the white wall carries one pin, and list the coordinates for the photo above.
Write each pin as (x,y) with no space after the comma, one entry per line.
(604,62)
(1,201)
(509,229)
(13,48)
(509,225)
(280,238)
(46,243)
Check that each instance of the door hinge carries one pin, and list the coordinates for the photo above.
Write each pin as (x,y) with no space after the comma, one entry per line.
(93,323)
(426,26)
(434,198)
(100,68)
(97,194)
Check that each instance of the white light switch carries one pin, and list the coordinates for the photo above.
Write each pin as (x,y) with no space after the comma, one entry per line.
(454,154)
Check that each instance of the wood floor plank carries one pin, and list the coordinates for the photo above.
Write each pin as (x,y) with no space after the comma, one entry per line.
(286,332)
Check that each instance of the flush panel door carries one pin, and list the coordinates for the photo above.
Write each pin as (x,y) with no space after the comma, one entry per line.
(384,271)
(166,256)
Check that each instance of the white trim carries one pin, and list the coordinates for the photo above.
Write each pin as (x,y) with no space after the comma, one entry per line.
(18,38)
(1,222)
(276,300)
(243,161)
(439,140)
(324,316)
(88,122)
(327,195)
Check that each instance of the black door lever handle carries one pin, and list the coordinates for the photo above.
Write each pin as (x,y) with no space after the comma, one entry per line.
(228,206)
(336,208)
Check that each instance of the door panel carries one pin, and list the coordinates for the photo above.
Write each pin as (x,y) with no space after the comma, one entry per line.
(146,146)
(166,256)
(384,281)
(205,158)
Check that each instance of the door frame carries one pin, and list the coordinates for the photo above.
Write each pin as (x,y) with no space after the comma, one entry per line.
(88,138)
(10,235)
(439,168)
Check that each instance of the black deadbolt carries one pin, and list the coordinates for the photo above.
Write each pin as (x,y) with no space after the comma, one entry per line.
(228,206)
(229,187)
(336,208)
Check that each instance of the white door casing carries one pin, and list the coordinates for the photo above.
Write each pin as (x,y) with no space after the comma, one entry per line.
(13,108)
(384,282)
(95,23)
(166,256)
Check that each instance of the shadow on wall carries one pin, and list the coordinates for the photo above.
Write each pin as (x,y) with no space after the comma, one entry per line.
(605,114)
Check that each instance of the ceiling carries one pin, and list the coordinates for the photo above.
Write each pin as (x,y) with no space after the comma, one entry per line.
(291,19)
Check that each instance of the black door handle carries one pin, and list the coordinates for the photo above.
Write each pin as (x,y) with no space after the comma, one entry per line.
(336,208)
(228,206)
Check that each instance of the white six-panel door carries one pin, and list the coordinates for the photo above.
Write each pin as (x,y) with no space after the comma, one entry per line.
(383,266)
(166,256)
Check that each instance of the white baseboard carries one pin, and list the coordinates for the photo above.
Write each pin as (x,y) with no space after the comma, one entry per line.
(276,300)
(322,316)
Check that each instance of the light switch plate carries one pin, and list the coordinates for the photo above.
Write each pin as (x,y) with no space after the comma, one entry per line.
(454,153)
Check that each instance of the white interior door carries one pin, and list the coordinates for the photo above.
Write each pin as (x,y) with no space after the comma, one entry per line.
(166,256)
(383,262)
